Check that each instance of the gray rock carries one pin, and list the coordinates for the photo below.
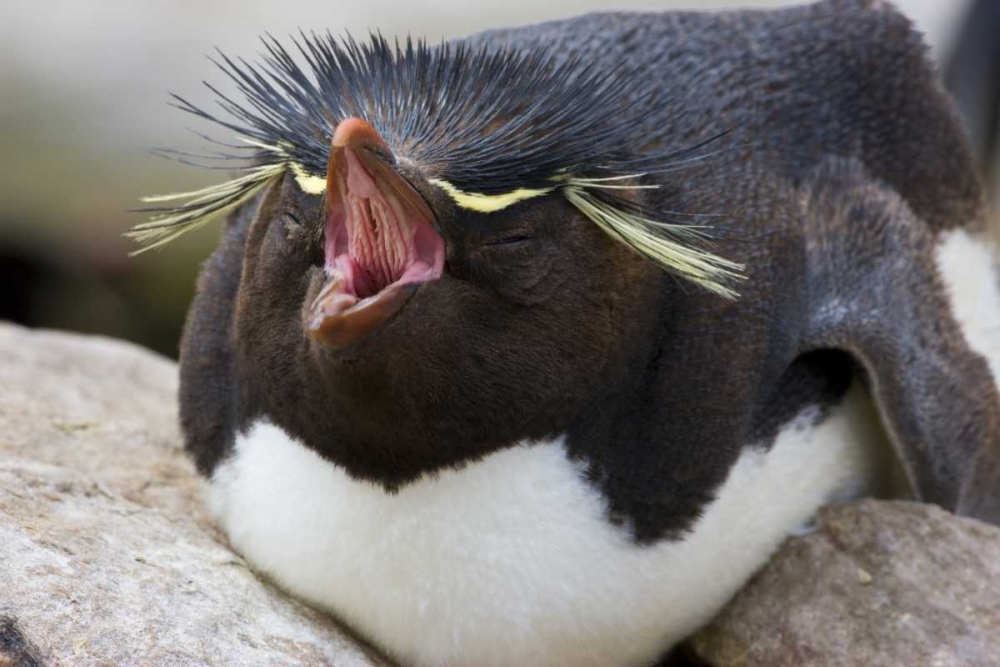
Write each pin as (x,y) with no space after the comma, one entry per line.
(106,556)
(877,584)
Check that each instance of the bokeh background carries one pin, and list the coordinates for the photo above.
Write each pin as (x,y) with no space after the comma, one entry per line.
(83,94)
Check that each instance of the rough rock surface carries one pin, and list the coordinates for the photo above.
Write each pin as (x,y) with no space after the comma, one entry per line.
(877,584)
(105,555)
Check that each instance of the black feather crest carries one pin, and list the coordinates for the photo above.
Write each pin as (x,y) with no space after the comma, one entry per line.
(483,120)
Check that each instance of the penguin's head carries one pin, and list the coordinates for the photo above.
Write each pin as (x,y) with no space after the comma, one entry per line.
(452,250)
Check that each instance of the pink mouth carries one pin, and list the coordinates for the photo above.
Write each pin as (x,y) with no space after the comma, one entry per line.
(380,244)
(374,242)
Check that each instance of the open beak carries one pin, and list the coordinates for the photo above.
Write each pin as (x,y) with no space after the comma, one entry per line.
(380,242)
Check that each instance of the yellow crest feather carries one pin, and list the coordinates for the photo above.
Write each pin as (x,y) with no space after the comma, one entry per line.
(480,203)
(669,245)
(199,207)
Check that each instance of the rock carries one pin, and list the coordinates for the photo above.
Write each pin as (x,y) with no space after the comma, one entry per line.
(106,556)
(876,584)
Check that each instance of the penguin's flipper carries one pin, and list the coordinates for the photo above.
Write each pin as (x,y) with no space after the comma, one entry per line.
(877,290)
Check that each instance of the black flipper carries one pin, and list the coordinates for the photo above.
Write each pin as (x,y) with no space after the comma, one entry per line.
(875,293)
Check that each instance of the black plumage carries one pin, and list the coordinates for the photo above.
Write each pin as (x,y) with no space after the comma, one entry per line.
(485,119)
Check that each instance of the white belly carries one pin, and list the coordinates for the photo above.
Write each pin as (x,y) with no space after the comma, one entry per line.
(510,561)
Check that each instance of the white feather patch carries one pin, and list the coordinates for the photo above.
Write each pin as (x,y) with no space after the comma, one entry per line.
(511,560)
(970,269)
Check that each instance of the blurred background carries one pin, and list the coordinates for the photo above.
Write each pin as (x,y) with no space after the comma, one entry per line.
(83,94)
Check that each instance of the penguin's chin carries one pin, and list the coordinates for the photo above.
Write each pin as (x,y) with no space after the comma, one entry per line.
(339,317)
(379,249)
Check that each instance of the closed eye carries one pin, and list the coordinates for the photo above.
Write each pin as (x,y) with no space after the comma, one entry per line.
(515,239)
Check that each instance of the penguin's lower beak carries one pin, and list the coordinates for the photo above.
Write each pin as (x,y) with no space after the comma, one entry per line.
(380,241)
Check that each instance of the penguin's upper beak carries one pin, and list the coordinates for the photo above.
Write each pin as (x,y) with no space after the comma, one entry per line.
(380,242)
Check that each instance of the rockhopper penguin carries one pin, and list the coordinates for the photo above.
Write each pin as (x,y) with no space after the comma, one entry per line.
(530,348)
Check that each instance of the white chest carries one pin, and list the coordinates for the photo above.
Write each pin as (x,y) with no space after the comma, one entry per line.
(970,269)
(510,561)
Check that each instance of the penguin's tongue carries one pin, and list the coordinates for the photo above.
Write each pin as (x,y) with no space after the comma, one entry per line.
(379,242)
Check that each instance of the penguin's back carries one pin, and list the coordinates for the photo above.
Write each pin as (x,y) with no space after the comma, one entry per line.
(838,78)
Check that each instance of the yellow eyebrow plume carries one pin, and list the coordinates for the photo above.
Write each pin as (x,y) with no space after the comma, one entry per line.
(480,203)
(668,245)
(310,184)
(199,207)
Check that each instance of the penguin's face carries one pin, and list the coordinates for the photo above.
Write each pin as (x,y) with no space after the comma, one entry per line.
(395,332)
(457,249)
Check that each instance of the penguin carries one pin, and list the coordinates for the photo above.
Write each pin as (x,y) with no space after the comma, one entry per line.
(531,348)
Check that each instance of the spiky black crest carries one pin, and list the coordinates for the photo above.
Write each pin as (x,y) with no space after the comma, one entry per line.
(485,120)
(479,121)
